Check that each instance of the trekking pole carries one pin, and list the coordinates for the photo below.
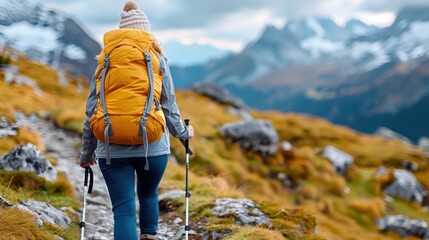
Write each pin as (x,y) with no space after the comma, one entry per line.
(87,189)
(188,195)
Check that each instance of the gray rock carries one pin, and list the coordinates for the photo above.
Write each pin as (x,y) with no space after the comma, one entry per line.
(28,158)
(177,221)
(389,134)
(341,160)
(218,94)
(406,186)
(171,194)
(256,135)
(246,211)
(243,114)
(404,226)
(23,208)
(47,213)
(7,129)
(286,146)
(424,145)
(4,202)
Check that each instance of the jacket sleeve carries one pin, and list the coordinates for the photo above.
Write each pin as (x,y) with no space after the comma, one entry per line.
(89,142)
(168,102)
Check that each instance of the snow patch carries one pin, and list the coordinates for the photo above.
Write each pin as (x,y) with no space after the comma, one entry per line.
(376,50)
(26,36)
(315,26)
(317,46)
(74,52)
(359,30)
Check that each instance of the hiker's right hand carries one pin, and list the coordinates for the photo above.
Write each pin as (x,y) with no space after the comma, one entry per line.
(85,165)
(191,130)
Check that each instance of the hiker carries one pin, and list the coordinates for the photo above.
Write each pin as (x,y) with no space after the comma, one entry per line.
(147,154)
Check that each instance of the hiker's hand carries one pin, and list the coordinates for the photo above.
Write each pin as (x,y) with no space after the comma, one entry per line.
(191,130)
(84,165)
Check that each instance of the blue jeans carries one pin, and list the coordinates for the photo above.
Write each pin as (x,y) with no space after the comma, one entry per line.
(120,179)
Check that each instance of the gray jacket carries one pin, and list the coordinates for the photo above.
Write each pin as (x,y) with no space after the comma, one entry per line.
(92,148)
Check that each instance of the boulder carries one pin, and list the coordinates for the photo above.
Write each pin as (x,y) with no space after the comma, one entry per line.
(404,226)
(171,195)
(405,186)
(28,158)
(245,211)
(256,135)
(47,213)
(341,160)
(424,145)
(217,94)
(389,134)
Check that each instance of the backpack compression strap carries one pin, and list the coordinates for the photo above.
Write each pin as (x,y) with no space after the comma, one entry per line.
(148,107)
(108,130)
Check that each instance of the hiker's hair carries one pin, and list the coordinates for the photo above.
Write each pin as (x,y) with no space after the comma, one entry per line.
(157,46)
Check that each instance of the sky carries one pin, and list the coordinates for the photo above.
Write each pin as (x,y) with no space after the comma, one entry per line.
(224,24)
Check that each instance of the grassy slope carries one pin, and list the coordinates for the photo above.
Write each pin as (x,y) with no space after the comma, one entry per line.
(222,169)
(339,215)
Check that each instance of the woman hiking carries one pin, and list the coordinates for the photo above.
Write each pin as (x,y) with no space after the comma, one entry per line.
(125,49)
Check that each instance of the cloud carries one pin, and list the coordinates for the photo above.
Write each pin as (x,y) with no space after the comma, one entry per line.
(224,21)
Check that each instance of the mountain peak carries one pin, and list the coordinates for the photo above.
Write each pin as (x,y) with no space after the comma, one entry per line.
(412,14)
(357,27)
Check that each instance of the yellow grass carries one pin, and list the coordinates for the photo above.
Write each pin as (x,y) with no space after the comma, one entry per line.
(19,225)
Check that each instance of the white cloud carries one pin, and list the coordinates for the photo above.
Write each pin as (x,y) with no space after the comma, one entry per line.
(382,19)
(224,23)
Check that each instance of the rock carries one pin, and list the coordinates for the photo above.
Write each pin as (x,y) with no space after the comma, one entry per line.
(245,211)
(341,160)
(256,135)
(218,94)
(28,158)
(177,221)
(284,179)
(171,194)
(287,150)
(47,213)
(405,186)
(389,134)
(410,166)
(23,208)
(7,129)
(404,226)
(4,202)
(424,145)
(243,114)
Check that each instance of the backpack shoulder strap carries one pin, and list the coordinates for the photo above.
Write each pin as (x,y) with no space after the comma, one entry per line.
(108,130)
(148,107)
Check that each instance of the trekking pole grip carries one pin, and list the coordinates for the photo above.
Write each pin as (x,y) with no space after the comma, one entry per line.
(85,183)
(88,172)
(187,140)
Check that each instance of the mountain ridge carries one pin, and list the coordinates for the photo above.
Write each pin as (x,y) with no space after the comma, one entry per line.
(313,59)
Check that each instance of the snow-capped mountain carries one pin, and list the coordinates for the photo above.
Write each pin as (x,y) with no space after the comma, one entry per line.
(47,36)
(357,75)
(300,42)
(356,47)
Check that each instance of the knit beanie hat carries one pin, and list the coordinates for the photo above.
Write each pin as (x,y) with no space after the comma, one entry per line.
(132,17)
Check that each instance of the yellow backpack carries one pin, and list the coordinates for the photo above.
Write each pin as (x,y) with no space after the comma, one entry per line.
(128,85)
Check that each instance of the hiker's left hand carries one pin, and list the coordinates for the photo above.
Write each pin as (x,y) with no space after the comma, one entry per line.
(84,165)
